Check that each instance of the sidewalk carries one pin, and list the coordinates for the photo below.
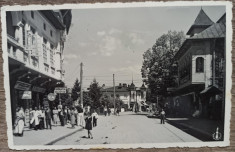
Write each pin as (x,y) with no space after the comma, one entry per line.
(200,128)
(45,136)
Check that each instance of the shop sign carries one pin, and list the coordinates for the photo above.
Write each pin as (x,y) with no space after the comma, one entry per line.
(51,96)
(27,95)
(46,103)
(60,90)
(22,86)
(38,89)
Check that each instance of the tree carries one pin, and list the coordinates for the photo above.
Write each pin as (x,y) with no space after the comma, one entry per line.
(157,63)
(75,90)
(95,94)
(86,99)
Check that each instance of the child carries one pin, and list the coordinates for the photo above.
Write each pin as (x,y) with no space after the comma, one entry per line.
(95,117)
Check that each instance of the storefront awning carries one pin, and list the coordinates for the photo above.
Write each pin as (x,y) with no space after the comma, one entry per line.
(211,90)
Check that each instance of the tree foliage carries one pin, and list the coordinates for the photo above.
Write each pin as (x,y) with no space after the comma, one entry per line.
(75,90)
(95,94)
(157,62)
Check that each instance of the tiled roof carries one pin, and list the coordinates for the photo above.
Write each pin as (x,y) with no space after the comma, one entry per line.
(217,30)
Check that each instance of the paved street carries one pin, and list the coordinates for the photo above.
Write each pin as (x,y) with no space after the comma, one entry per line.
(129,128)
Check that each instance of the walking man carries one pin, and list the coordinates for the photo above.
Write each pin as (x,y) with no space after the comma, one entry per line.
(162,115)
(48,117)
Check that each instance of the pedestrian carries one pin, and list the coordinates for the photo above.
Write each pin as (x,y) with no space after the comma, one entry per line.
(88,126)
(94,117)
(19,122)
(72,117)
(81,117)
(65,115)
(48,117)
(109,111)
(117,112)
(41,118)
(105,111)
(76,115)
(31,117)
(35,120)
(162,115)
(55,116)
(60,114)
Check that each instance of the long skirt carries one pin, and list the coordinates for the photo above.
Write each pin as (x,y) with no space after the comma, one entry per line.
(55,118)
(72,120)
(19,127)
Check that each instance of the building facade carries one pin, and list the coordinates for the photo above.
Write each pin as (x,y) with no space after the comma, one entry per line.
(201,70)
(35,45)
(129,94)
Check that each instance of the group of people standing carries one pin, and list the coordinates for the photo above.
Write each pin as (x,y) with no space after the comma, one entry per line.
(40,118)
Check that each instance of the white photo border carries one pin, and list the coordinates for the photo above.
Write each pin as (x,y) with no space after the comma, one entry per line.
(228,85)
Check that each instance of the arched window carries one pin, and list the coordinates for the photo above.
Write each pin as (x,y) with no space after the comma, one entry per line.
(200,64)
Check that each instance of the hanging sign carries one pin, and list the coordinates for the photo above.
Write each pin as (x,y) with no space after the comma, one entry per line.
(51,96)
(38,89)
(27,95)
(22,86)
(60,90)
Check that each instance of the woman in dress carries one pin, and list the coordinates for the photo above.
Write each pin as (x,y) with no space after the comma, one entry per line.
(55,116)
(72,115)
(19,122)
(88,126)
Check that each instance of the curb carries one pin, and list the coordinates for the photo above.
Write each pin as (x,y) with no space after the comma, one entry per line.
(62,137)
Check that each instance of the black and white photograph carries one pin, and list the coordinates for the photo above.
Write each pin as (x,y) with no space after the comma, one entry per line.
(118,75)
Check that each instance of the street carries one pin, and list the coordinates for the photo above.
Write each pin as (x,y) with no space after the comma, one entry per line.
(128,128)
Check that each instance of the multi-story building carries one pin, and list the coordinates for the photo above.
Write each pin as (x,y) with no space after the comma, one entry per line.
(129,94)
(201,69)
(35,44)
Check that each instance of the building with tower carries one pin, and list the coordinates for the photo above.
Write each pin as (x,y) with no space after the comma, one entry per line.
(201,70)
(129,94)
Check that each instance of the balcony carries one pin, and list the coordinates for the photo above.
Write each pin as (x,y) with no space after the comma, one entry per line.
(14,41)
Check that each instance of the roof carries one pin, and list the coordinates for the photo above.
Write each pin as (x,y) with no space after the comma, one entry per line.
(54,19)
(211,90)
(117,89)
(217,30)
(202,20)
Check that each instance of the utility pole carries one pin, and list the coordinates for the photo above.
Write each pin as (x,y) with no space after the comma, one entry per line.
(81,93)
(114,96)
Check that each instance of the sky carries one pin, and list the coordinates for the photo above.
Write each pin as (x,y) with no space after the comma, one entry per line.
(112,40)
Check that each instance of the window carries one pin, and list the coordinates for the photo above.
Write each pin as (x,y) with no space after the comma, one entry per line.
(25,57)
(23,32)
(34,62)
(51,33)
(14,51)
(8,48)
(52,71)
(44,26)
(32,14)
(44,50)
(111,95)
(46,68)
(200,64)
(52,57)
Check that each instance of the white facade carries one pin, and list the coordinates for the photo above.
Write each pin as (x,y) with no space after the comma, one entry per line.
(36,43)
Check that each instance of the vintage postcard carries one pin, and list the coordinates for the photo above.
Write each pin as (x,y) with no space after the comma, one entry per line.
(118,75)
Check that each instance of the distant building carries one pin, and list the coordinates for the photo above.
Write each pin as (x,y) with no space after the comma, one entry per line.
(35,45)
(201,70)
(129,94)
